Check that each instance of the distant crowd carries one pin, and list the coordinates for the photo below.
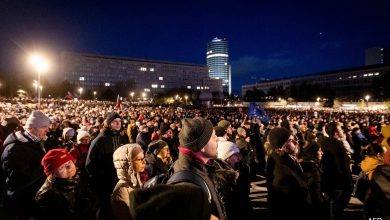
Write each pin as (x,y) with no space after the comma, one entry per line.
(97,160)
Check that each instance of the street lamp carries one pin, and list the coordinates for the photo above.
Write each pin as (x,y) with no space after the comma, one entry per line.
(318,99)
(41,65)
(94,95)
(132,95)
(81,91)
(186,97)
(367,98)
(143,95)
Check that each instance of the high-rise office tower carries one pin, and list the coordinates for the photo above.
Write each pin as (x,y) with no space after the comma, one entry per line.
(218,62)
(377,55)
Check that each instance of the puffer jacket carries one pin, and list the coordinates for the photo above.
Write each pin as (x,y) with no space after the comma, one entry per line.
(67,199)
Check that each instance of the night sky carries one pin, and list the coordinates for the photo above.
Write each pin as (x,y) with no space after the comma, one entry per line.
(271,39)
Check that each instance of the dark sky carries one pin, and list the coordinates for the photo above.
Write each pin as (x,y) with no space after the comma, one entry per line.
(271,39)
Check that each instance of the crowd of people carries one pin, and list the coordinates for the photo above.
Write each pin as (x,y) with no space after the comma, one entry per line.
(91,160)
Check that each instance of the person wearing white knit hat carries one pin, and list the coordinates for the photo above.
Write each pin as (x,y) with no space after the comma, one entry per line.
(229,152)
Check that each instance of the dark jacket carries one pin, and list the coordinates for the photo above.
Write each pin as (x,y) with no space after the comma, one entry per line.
(377,202)
(185,162)
(21,164)
(157,165)
(67,199)
(335,166)
(99,160)
(100,166)
(288,193)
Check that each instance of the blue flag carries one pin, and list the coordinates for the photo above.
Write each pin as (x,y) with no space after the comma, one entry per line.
(258,112)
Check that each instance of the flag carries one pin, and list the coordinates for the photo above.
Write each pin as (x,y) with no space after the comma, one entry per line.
(118,103)
(258,112)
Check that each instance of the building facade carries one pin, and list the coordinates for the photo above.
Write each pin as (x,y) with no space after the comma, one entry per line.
(377,55)
(97,72)
(218,62)
(347,83)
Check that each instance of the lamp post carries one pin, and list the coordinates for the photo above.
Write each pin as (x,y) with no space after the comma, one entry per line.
(94,95)
(367,98)
(81,91)
(40,65)
(132,95)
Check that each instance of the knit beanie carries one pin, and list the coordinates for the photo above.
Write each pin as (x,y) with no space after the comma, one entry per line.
(277,137)
(227,149)
(219,131)
(37,119)
(240,130)
(164,128)
(82,134)
(156,146)
(70,132)
(111,117)
(225,124)
(55,158)
(10,121)
(195,133)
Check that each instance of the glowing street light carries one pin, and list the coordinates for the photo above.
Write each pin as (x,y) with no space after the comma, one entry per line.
(94,95)
(81,91)
(132,95)
(143,95)
(41,65)
(186,97)
(318,99)
(367,98)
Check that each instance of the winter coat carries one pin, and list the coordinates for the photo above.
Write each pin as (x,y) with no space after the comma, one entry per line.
(67,199)
(207,172)
(287,190)
(377,202)
(100,166)
(120,200)
(335,166)
(369,164)
(157,165)
(21,164)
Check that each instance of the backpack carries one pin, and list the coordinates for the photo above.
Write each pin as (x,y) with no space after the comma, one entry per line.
(178,177)
(361,186)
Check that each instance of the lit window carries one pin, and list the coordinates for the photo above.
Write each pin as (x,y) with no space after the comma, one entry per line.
(206,87)
(151,69)
(198,87)
(147,90)
(81,78)
(376,74)
(106,84)
(188,87)
(162,86)
(143,69)
(354,76)
(365,75)
(160,78)
(154,85)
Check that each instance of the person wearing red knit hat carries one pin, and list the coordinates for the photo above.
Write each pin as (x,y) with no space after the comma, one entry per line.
(64,193)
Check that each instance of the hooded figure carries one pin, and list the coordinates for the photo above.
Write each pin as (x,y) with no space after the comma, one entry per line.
(129,161)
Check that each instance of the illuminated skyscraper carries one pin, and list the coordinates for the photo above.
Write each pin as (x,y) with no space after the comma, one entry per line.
(218,62)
